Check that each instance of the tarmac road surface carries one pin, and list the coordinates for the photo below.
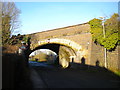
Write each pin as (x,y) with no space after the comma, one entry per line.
(57,77)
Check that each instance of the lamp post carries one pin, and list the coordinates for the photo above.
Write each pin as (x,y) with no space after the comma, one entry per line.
(105,50)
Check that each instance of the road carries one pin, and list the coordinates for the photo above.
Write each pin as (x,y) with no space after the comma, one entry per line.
(57,77)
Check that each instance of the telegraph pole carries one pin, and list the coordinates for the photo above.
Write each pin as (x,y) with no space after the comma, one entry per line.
(105,50)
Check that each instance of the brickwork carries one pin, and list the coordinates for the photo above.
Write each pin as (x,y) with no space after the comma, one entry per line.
(80,35)
(113,60)
(66,31)
(97,54)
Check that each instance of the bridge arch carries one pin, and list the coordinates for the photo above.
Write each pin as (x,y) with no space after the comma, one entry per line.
(61,41)
(60,46)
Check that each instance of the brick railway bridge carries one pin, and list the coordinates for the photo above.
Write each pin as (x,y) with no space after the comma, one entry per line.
(72,44)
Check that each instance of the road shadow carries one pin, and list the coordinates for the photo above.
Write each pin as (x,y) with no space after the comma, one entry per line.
(95,69)
(79,76)
(81,67)
(87,76)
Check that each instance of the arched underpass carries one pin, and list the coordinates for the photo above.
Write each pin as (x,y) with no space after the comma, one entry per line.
(64,53)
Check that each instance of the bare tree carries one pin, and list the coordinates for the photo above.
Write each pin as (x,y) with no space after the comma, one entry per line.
(10,23)
(0,24)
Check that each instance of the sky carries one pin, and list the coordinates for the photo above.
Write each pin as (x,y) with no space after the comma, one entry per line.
(42,16)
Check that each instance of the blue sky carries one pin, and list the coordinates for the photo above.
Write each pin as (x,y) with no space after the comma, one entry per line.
(42,16)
